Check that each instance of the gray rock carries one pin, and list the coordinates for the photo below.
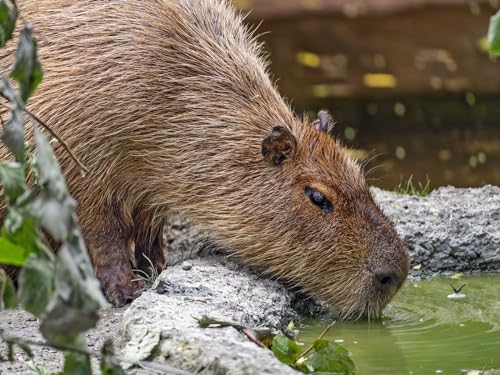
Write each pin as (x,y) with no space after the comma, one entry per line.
(451,230)
(163,322)
(183,241)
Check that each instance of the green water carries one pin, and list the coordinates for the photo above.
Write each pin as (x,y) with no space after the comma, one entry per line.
(424,332)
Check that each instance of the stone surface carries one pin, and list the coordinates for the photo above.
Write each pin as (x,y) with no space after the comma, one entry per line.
(451,230)
(163,320)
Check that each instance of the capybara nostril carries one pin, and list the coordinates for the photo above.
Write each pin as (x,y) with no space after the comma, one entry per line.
(386,280)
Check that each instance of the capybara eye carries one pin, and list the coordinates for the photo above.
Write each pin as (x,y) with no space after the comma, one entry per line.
(318,199)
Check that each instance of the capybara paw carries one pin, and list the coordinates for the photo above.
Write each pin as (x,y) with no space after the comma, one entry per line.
(119,295)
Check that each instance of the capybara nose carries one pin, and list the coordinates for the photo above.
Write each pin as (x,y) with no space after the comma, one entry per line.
(386,280)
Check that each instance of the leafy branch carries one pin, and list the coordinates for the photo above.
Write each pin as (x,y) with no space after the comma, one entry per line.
(60,290)
(494,35)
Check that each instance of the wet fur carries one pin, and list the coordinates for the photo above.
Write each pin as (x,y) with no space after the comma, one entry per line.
(167,102)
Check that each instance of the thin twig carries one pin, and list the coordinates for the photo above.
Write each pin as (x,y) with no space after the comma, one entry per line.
(65,146)
(33,117)
(18,340)
(249,334)
(310,347)
(208,322)
(160,368)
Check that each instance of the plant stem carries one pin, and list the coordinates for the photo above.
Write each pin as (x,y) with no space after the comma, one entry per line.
(310,347)
(206,322)
(53,134)
(63,144)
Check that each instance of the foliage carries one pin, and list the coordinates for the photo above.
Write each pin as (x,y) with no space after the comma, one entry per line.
(286,350)
(8,16)
(148,278)
(328,357)
(409,188)
(109,364)
(60,290)
(323,356)
(494,35)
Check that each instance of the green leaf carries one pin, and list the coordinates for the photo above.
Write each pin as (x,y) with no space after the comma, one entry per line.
(304,367)
(8,16)
(76,364)
(286,350)
(54,208)
(109,364)
(27,69)
(330,357)
(494,35)
(55,216)
(78,298)
(12,179)
(13,130)
(36,285)
(39,370)
(21,231)
(11,253)
(51,177)
(8,298)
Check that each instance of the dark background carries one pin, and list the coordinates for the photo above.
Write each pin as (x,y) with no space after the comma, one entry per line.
(407,81)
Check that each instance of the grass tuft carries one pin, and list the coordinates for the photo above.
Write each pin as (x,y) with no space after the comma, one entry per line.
(409,188)
(150,277)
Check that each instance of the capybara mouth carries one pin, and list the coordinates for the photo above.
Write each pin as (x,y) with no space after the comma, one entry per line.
(368,296)
(370,311)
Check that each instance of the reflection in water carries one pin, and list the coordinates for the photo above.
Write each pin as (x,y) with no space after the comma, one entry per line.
(424,332)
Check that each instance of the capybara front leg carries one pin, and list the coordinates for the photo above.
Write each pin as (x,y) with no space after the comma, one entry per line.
(116,278)
(108,250)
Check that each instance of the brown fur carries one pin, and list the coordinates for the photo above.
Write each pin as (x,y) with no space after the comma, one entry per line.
(168,102)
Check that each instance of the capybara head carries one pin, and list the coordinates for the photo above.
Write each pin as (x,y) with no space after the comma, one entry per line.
(334,241)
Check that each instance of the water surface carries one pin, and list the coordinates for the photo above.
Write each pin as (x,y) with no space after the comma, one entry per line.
(424,332)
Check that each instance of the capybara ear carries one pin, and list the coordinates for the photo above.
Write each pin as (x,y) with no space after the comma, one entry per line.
(324,122)
(278,146)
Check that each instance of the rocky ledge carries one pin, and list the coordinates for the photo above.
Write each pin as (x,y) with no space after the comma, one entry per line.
(451,230)
(163,321)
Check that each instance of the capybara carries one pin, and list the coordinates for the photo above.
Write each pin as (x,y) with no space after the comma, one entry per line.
(169,105)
